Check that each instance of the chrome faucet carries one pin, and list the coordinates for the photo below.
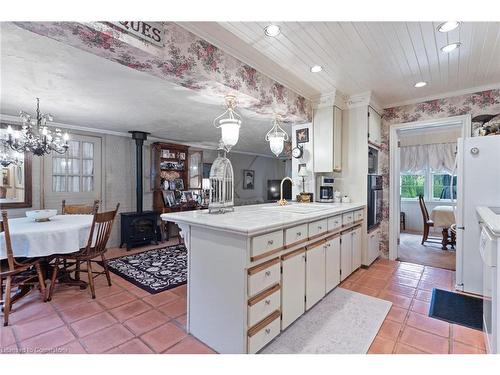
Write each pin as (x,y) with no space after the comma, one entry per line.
(283,202)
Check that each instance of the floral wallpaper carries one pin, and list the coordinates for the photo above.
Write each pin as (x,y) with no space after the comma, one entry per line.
(479,103)
(185,60)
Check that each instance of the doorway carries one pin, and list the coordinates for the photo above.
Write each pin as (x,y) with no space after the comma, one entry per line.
(423,186)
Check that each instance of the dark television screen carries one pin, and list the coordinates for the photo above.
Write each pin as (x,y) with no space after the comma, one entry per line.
(273,190)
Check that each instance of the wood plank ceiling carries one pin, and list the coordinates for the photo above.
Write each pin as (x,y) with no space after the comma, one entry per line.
(385,57)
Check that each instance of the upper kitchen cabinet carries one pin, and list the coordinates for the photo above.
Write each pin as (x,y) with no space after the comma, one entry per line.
(327,122)
(374,127)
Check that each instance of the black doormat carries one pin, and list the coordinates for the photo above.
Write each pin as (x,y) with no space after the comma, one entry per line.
(154,270)
(457,308)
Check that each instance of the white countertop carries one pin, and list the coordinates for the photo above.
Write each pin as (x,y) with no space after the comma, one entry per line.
(491,218)
(259,218)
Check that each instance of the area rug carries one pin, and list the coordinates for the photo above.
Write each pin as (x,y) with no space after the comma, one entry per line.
(457,308)
(344,322)
(154,270)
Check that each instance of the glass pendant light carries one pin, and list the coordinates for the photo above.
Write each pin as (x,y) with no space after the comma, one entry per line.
(277,137)
(229,123)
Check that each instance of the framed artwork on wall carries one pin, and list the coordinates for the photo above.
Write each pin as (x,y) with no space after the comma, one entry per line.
(248,179)
(302,135)
(168,198)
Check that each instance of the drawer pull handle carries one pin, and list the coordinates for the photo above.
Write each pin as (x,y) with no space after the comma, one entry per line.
(268,273)
(299,234)
(267,301)
(268,331)
(320,227)
(270,242)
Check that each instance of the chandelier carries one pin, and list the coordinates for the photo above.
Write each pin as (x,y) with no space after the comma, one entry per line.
(229,123)
(7,157)
(277,136)
(35,136)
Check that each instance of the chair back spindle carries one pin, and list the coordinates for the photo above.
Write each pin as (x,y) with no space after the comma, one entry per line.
(423,208)
(102,224)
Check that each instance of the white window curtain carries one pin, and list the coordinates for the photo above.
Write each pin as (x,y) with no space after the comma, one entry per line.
(439,157)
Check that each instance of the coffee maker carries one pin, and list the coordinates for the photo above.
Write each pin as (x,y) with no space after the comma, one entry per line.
(325,194)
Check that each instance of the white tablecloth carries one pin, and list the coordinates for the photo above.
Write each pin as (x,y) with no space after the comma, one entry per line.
(63,234)
(443,216)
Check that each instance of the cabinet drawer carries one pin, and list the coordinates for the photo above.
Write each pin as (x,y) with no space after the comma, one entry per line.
(266,245)
(296,235)
(358,215)
(262,333)
(334,223)
(263,304)
(263,276)
(347,218)
(318,227)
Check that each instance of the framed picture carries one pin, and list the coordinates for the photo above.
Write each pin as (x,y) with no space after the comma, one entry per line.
(188,196)
(179,184)
(168,198)
(302,135)
(248,179)
(5,177)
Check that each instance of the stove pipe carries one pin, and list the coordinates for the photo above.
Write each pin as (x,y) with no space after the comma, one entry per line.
(139,137)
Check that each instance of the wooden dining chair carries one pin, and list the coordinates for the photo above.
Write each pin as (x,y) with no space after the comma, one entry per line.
(16,273)
(425,216)
(79,209)
(100,231)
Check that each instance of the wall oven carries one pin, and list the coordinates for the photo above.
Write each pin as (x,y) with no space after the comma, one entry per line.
(374,200)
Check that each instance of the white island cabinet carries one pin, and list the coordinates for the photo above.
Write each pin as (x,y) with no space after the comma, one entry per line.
(254,271)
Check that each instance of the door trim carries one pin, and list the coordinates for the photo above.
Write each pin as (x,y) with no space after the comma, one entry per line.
(394,167)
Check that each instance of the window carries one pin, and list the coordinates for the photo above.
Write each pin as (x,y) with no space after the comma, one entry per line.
(441,186)
(412,186)
(73,172)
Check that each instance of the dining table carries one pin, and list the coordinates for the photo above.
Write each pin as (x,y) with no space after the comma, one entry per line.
(61,234)
(444,217)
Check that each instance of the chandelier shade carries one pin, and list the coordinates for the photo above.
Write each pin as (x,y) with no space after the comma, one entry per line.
(229,123)
(277,137)
(35,136)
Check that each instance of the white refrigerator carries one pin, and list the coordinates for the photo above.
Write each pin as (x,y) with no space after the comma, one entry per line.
(478,184)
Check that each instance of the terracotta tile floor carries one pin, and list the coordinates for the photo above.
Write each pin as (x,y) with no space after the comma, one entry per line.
(122,319)
(125,319)
(407,328)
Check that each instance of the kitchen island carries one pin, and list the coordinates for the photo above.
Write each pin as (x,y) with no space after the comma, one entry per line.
(254,271)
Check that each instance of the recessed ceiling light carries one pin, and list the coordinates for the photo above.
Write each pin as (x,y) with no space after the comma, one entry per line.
(451,47)
(316,68)
(272,30)
(420,84)
(448,26)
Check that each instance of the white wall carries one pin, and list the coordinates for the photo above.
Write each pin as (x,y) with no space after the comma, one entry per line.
(265,169)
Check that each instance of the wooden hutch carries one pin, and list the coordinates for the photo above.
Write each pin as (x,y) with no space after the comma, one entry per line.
(169,166)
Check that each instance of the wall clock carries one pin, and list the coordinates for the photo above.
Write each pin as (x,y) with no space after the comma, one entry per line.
(297,152)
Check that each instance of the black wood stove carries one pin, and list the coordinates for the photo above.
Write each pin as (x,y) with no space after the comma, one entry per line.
(139,227)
